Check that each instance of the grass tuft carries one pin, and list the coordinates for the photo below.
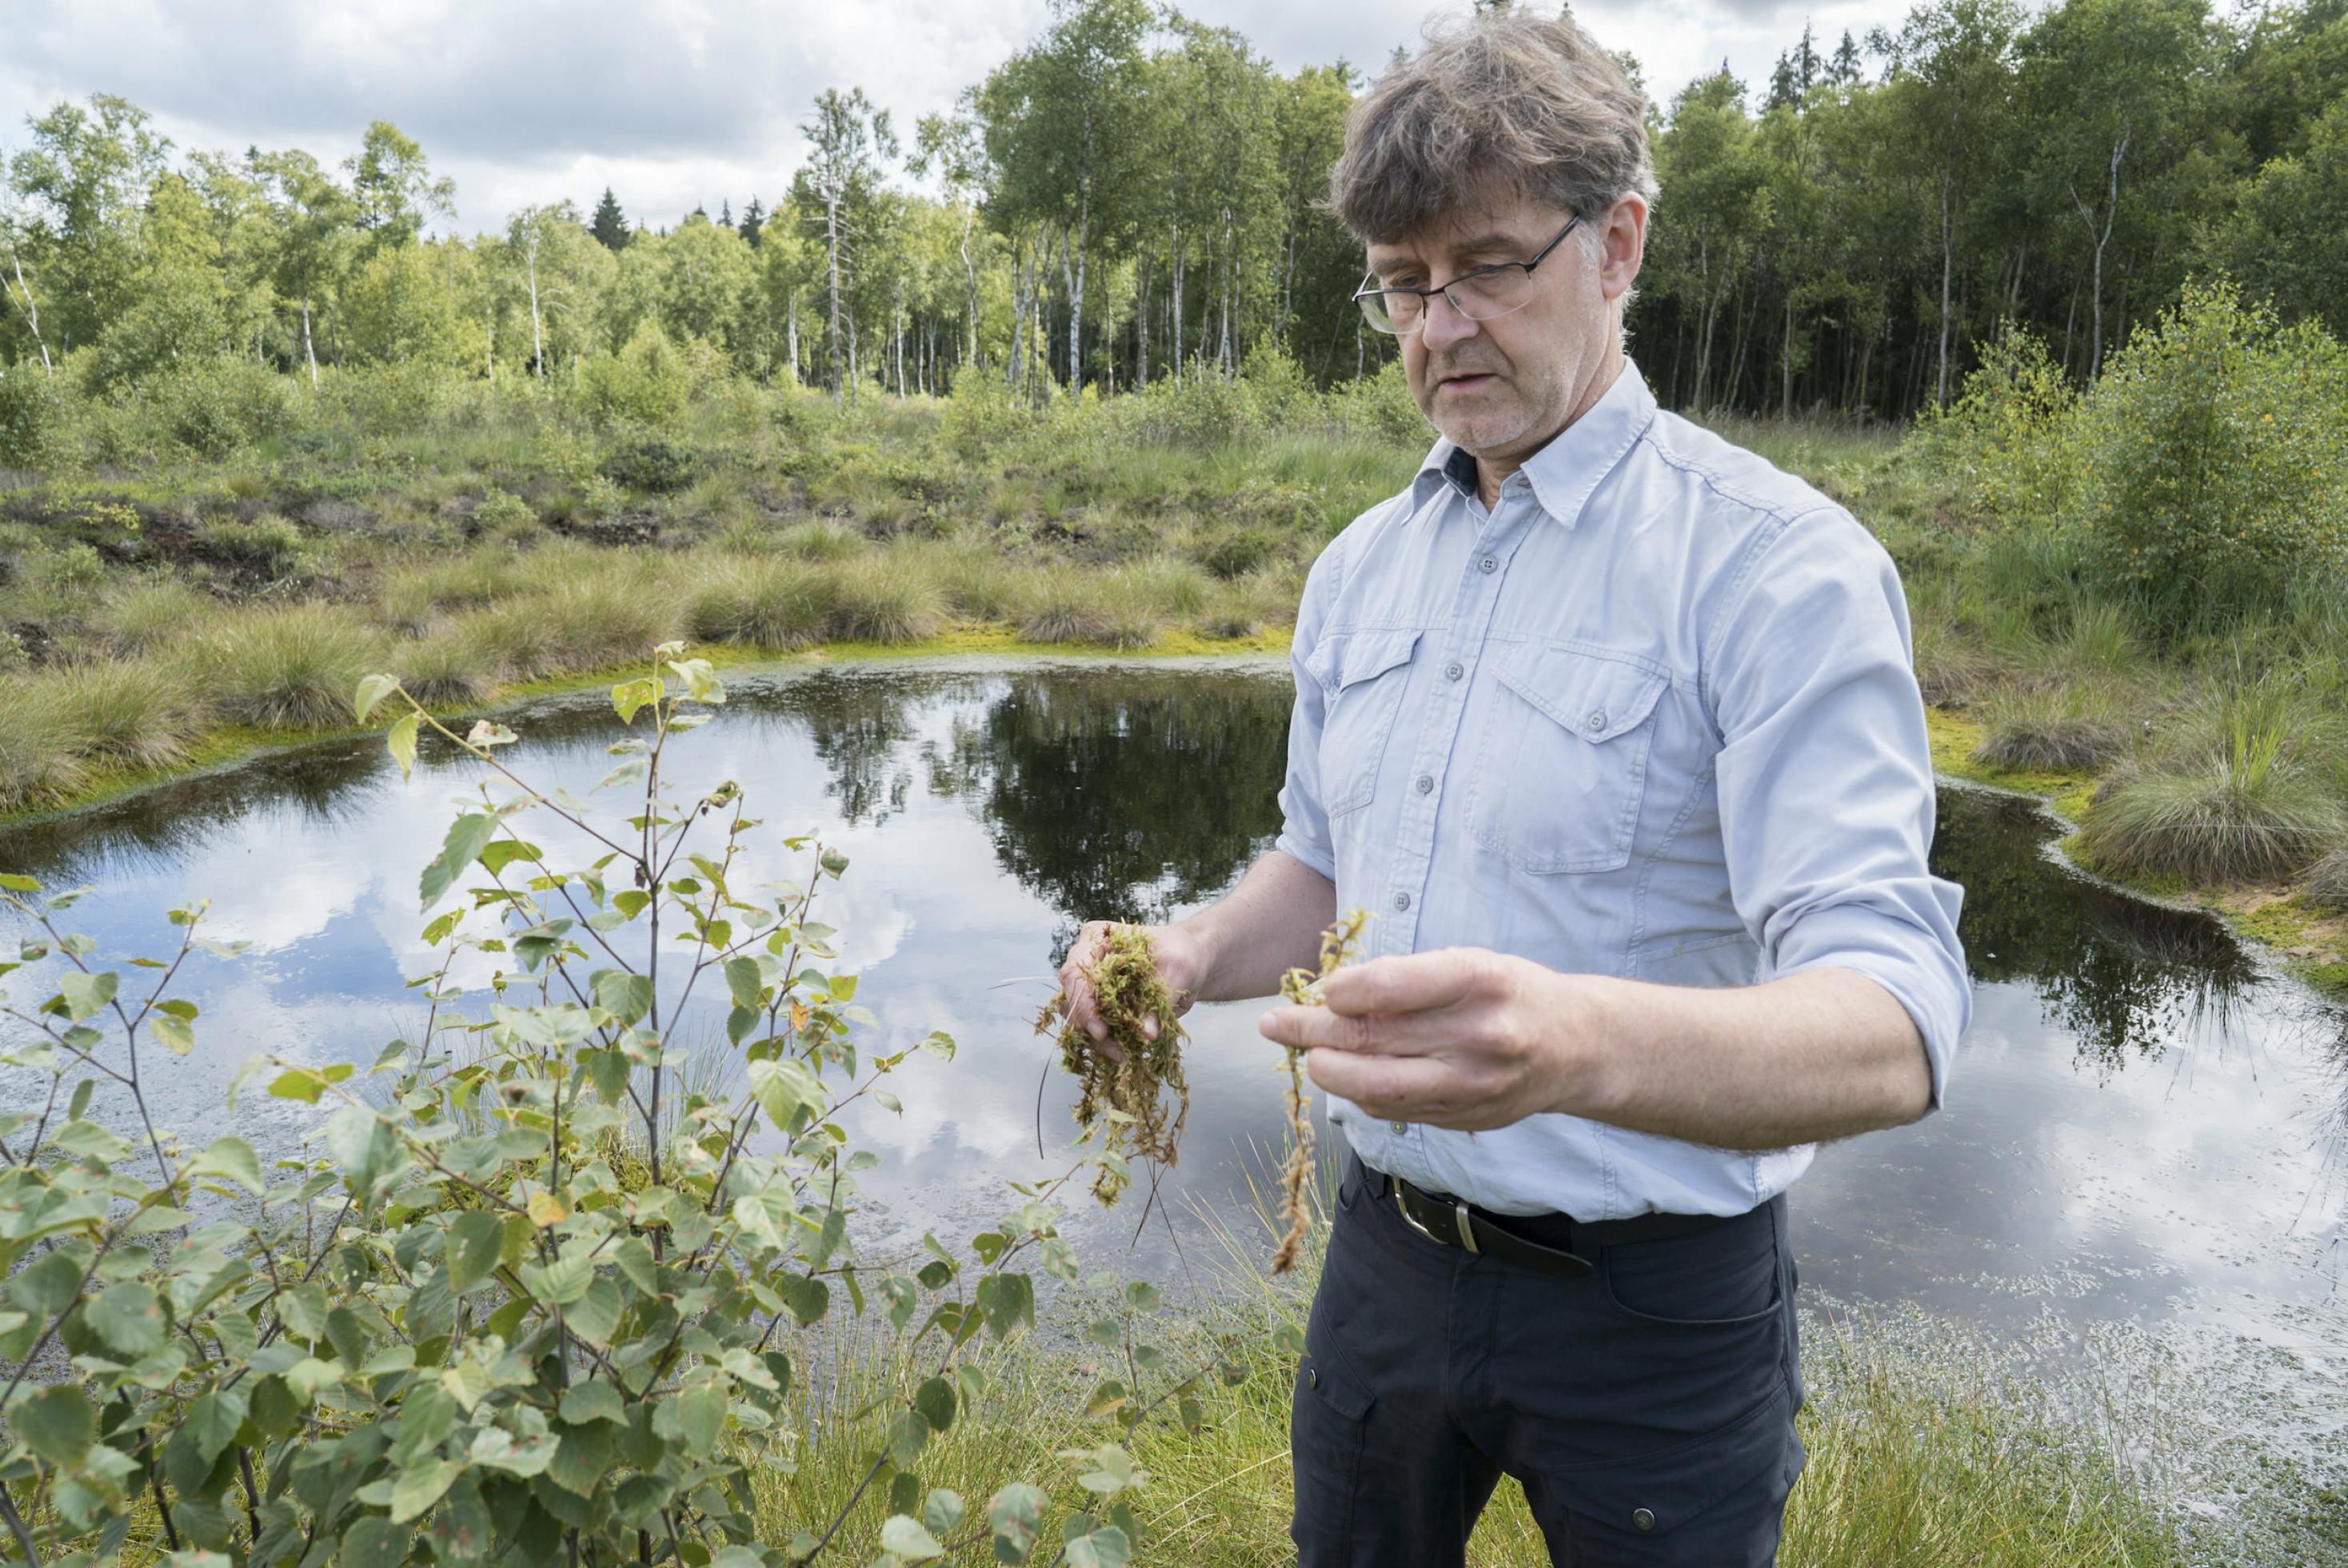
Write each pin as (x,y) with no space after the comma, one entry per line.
(762,600)
(2325,885)
(136,715)
(42,742)
(884,598)
(2067,729)
(288,670)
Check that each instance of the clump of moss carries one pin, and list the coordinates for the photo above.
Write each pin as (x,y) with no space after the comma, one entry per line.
(1139,1094)
(1303,986)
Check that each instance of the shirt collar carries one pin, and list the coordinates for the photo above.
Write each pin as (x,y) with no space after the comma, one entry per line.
(1563,473)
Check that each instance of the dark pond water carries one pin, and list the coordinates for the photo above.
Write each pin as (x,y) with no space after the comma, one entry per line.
(2143,1127)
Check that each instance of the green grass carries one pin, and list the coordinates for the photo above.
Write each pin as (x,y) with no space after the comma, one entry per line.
(1922,1459)
(2325,883)
(137,714)
(883,597)
(2071,727)
(44,751)
(291,669)
(761,600)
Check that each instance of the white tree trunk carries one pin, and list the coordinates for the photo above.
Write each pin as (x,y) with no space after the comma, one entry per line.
(308,352)
(537,333)
(31,310)
(831,240)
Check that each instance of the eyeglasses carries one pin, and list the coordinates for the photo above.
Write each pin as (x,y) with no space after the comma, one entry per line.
(1481,295)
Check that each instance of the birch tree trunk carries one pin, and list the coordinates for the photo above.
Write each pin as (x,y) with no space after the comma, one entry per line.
(1077,294)
(1948,266)
(308,352)
(537,337)
(831,241)
(31,310)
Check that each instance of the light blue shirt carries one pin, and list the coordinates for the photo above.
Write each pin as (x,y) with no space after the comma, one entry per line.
(1652,716)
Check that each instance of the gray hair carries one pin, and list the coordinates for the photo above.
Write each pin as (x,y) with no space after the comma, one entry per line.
(1504,104)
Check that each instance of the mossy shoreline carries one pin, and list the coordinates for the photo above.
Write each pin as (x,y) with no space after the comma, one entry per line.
(2308,944)
(237,744)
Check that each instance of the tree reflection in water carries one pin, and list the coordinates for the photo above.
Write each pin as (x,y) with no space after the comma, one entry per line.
(1125,793)
(1121,796)
(2122,978)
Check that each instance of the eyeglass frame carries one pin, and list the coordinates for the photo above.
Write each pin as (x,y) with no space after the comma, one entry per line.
(1362,296)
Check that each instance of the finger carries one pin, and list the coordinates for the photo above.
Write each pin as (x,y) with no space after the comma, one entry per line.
(1150,1028)
(1390,1088)
(1408,982)
(1318,1028)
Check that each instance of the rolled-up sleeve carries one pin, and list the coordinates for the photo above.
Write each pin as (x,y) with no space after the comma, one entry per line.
(1304,822)
(1825,775)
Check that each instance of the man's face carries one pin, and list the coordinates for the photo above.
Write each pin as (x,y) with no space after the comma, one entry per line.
(1502,387)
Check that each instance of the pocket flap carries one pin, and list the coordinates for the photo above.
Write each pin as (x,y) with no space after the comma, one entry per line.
(1596,697)
(1652,1493)
(1349,657)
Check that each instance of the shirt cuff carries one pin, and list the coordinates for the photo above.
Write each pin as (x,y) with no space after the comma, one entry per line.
(1294,845)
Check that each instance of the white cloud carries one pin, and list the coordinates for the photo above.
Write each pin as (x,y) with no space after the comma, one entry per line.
(674,103)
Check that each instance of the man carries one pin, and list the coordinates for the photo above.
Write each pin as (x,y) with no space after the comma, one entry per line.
(1613,726)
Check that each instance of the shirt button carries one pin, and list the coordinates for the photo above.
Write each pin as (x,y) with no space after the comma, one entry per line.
(1402,901)
(1489,563)
(1399,1127)
(1452,672)
(1426,783)
(1598,721)
(1642,1519)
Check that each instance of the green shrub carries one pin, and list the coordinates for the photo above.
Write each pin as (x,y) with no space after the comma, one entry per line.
(563,1303)
(37,418)
(2008,444)
(506,518)
(2216,448)
(654,464)
(647,383)
(1378,409)
(269,541)
(217,406)
(75,569)
(1233,552)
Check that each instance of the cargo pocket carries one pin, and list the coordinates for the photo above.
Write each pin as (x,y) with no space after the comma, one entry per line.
(1327,1425)
(1717,1499)
(1564,765)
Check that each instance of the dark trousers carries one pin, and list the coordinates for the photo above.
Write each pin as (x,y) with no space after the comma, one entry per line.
(1647,1406)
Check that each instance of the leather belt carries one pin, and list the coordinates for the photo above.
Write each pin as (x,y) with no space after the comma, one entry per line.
(1552,1244)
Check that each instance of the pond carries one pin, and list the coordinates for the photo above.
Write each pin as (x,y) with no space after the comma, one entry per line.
(2145,1126)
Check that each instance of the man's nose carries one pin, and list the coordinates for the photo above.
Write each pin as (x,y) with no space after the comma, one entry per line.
(1444,323)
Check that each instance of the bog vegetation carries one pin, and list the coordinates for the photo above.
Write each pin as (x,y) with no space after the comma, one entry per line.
(533,1293)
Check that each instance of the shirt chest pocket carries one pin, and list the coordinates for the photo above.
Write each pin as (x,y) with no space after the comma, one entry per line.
(1564,766)
(1362,676)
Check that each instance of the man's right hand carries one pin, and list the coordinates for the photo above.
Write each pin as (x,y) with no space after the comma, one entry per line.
(1183,961)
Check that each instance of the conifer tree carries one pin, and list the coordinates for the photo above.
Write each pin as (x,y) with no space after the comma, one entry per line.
(608,225)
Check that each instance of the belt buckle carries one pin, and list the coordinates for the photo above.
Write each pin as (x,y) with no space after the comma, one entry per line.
(1458,1215)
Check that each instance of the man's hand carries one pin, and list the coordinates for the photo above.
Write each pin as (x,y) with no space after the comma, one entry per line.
(1460,1037)
(1183,961)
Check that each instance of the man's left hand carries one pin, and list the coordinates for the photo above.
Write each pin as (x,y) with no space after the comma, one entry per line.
(1461,1038)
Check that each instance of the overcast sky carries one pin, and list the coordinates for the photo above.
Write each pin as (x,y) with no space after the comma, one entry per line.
(674,103)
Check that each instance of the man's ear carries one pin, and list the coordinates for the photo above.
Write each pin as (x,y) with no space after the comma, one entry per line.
(1622,244)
